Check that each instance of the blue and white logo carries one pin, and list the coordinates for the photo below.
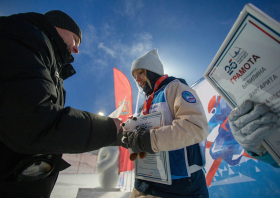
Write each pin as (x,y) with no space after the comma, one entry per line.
(188,97)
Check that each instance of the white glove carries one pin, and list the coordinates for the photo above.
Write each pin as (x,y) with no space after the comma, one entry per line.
(251,123)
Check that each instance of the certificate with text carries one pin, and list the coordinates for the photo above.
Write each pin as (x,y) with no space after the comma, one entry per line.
(154,167)
(247,66)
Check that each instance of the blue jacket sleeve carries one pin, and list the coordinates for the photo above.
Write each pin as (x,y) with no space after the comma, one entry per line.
(267,158)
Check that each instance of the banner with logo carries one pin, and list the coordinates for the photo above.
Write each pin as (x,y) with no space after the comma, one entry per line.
(246,66)
(230,172)
(123,90)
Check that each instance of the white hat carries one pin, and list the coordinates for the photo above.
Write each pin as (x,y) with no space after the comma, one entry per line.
(149,61)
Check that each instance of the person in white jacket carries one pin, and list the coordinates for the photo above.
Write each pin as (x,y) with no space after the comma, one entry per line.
(185,128)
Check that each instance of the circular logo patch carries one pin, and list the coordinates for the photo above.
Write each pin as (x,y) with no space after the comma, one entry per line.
(188,97)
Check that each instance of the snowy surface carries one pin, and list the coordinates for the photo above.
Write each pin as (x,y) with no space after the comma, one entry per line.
(87,186)
(81,180)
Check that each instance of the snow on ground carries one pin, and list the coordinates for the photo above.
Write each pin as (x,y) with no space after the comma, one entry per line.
(87,186)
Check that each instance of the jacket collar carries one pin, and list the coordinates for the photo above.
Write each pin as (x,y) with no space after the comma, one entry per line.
(168,80)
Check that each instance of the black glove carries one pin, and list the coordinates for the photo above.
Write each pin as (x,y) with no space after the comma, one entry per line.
(139,141)
(118,141)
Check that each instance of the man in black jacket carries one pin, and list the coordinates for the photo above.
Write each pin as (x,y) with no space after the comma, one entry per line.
(35,127)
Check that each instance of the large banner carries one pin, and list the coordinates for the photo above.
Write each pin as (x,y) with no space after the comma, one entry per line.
(123,90)
(230,172)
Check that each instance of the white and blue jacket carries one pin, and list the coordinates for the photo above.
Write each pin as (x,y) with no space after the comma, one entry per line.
(183,136)
(186,160)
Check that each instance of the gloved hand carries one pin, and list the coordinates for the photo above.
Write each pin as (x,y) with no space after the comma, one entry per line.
(118,141)
(251,123)
(139,141)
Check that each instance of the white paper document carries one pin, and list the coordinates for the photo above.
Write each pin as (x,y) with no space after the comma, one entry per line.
(118,111)
(247,66)
(154,167)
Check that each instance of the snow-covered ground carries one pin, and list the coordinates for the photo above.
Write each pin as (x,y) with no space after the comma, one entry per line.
(81,180)
(87,186)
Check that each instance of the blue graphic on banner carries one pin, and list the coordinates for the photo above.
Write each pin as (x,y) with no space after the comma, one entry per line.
(250,178)
(121,181)
(224,146)
(233,173)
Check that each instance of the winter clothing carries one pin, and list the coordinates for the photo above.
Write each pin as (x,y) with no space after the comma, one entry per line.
(190,187)
(119,138)
(153,77)
(137,194)
(149,61)
(139,141)
(183,135)
(266,157)
(250,124)
(187,128)
(62,20)
(35,126)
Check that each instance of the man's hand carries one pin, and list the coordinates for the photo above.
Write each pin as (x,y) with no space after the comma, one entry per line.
(118,122)
(139,141)
(251,123)
(118,141)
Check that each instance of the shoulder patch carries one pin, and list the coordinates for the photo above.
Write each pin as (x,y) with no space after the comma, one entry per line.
(188,97)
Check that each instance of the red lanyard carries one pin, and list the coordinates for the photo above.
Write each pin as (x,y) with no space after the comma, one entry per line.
(147,104)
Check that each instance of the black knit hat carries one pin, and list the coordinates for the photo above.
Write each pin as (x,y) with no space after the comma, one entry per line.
(62,20)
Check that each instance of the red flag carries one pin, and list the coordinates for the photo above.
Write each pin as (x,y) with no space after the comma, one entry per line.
(123,90)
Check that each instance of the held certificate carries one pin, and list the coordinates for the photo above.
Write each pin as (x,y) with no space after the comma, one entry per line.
(247,66)
(154,167)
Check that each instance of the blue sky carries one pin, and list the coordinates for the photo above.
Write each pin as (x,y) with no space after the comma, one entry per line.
(186,33)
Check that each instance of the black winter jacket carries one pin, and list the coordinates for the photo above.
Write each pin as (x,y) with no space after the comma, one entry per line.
(34,61)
